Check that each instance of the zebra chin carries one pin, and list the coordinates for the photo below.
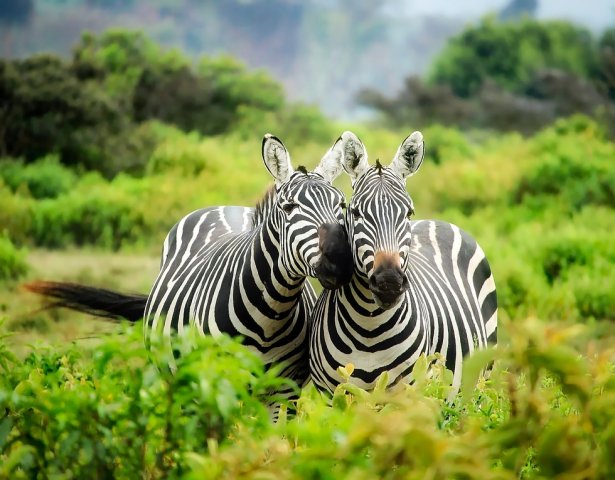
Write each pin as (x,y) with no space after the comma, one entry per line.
(334,267)
(386,301)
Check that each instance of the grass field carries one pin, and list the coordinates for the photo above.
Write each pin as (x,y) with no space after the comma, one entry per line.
(127,272)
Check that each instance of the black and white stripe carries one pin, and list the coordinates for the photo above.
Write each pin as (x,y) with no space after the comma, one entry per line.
(418,286)
(242,271)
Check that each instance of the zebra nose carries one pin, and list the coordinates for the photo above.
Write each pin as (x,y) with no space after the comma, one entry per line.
(388,284)
(334,267)
(388,279)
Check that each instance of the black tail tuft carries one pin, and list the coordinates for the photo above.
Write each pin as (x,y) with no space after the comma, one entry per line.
(95,301)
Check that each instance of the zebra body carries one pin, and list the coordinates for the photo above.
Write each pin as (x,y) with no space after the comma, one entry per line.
(242,271)
(216,276)
(418,286)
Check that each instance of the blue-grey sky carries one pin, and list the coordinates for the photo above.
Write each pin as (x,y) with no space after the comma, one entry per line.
(595,14)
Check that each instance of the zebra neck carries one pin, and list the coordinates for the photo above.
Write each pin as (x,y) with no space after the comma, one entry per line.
(361,309)
(263,271)
(358,299)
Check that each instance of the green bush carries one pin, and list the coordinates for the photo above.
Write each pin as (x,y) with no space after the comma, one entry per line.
(97,213)
(112,414)
(44,178)
(545,411)
(573,164)
(15,214)
(13,262)
(185,155)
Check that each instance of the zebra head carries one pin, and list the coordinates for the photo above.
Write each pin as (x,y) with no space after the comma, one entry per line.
(309,215)
(378,217)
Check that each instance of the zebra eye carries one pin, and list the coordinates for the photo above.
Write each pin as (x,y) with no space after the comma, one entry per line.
(343,205)
(410,213)
(355,213)
(289,207)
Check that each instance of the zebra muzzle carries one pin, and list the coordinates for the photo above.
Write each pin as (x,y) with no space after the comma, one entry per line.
(334,267)
(388,283)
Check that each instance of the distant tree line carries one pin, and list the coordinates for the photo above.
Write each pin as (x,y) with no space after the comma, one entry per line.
(88,109)
(518,75)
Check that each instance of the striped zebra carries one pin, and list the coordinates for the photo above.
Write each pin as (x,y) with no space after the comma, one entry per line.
(418,287)
(242,271)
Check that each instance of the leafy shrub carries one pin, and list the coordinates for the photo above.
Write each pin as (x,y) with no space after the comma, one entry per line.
(573,163)
(446,143)
(113,414)
(49,110)
(98,213)
(12,260)
(544,413)
(15,214)
(186,156)
(45,178)
(296,124)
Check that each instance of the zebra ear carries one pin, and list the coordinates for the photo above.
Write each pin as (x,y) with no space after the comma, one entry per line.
(409,156)
(277,159)
(330,165)
(354,159)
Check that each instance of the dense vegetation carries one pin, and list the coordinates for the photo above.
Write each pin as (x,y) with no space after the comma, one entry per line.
(544,413)
(93,111)
(95,161)
(510,76)
(297,41)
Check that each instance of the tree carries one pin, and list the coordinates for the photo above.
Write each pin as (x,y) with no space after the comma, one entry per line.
(46,110)
(509,53)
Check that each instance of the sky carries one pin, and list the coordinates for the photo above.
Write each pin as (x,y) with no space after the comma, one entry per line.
(595,14)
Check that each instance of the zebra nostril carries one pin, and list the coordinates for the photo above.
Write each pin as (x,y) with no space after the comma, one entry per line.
(385,281)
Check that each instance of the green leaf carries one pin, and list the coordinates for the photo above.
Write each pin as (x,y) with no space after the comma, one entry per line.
(472,368)
(5,428)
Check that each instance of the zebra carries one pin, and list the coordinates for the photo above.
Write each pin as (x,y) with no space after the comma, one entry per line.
(242,271)
(418,287)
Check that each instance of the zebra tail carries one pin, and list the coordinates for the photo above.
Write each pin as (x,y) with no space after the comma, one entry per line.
(95,301)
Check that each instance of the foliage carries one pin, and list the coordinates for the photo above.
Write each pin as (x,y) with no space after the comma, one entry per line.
(579,176)
(112,413)
(46,110)
(92,112)
(45,178)
(509,53)
(13,262)
(520,75)
(545,411)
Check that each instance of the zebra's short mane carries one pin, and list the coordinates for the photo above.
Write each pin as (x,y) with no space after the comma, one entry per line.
(379,166)
(302,169)
(263,206)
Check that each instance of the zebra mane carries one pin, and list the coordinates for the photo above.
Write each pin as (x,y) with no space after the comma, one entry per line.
(379,166)
(302,169)
(263,206)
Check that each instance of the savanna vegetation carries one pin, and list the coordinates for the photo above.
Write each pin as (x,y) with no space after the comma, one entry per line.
(511,76)
(102,153)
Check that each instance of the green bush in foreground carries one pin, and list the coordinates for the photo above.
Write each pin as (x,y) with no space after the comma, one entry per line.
(114,415)
(545,412)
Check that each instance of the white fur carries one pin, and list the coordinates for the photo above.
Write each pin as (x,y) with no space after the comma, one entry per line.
(354,159)
(277,159)
(330,165)
(409,156)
